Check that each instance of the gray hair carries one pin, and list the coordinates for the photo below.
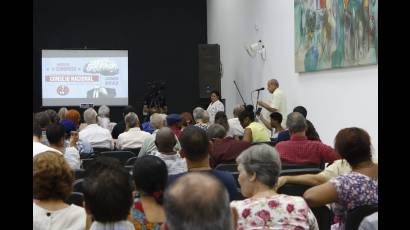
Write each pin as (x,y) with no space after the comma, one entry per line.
(198,113)
(156,120)
(274,81)
(103,111)
(90,116)
(62,113)
(131,120)
(216,131)
(296,122)
(187,207)
(264,161)
(237,110)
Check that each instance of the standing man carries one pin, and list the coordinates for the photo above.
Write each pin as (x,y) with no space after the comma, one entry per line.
(276,103)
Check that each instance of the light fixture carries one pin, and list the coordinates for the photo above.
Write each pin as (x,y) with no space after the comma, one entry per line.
(256,48)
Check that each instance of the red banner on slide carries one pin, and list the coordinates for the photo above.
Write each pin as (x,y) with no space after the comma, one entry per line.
(72,78)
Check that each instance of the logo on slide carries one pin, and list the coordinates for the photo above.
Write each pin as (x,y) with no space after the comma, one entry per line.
(63,90)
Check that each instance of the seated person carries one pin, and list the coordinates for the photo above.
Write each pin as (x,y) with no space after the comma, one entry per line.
(73,117)
(43,120)
(370,222)
(108,195)
(197,201)
(150,177)
(174,122)
(300,150)
(187,120)
(224,150)
(311,132)
(354,189)
(235,127)
(97,136)
(222,119)
(120,126)
(52,185)
(259,167)
(165,140)
(134,136)
(195,148)
(275,123)
(201,118)
(104,118)
(253,131)
(38,147)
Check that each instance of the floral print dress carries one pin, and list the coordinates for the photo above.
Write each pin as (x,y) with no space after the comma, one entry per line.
(353,190)
(275,212)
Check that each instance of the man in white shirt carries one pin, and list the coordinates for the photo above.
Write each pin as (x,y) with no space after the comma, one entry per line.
(134,137)
(277,103)
(38,147)
(165,141)
(235,127)
(97,136)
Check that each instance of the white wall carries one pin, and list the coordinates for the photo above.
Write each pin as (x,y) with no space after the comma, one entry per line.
(334,99)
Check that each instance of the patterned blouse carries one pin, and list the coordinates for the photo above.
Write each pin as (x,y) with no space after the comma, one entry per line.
(138,218)
(275,212)
(353,190)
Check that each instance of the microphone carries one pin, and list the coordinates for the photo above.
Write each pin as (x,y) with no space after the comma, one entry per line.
(263,88)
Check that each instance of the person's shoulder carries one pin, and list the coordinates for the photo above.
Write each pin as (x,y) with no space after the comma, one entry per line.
(223,175)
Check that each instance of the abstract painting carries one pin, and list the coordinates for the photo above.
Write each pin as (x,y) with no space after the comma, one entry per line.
(335,33)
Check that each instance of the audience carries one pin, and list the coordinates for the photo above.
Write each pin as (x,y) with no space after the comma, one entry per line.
(52,185)
(200,117)
(97,136)
(275,123)
(165,141)
(354,189)
(120,126)
(222,119)
(73,117)
(150,177)
(235,127)
(259,167)
(56,137)
(195,148)
(300,150)
(253,131)
(134,136)
(62,113)
(104,118)
(311,132)
(224,149)
(52,114)
(187,120)
(38,147)
(108,197)
(174,122)
(197,201)
(43,120)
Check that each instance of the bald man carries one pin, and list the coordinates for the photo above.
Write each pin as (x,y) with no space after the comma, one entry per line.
(165,140)
(276,103)
(197,201)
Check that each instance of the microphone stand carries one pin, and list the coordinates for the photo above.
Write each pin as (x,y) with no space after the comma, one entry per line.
(244,104)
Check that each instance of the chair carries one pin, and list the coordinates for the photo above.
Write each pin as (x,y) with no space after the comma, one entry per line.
(291,172)
(136,151)
(100,150)
(227,167)
(78,173)
(271,143)
(86,162)
(76,198)
(78,185)
(131,161)
(298,166)
(356,215)
(122,156)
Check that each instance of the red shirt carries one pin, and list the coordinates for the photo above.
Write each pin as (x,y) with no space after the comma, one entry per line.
(227,151)
(300,150)
(176,131)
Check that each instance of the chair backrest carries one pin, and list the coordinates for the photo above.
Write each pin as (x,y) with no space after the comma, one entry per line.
(271,143)
(355,216)
(100,150)
(123,156)
(131,161)
(289,172)
(78,185)
(78,173)
(76,198)
(227,167)
(136,151)
(86,162)
(298,166)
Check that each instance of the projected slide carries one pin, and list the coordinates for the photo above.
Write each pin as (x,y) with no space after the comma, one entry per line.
(74,77)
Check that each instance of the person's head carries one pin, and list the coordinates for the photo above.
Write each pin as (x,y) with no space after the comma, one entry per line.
(52,114)
(104,111)
(216,131)
(37,132)
(353,144)
(90,116)
(68,126)
(198,114)
(187,206)
(237,110)
(42,119)
(194,144)
(55,134)
(205,118)
(247,116)
(127,109)
(108,193)
(259,164)
(187,119)
(131,120)
(275,119)
(74,116)
(61,113)
(150,176)
(215,96)
(174,120)
(273,84)
(101,163)
(296,123)
(156,121)
(222,119)
(165,140)
(52,177)
(301,110)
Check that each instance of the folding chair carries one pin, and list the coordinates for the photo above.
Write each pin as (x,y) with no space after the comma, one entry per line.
(355,216)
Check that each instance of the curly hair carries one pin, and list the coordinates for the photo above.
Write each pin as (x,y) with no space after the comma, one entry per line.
(52,177)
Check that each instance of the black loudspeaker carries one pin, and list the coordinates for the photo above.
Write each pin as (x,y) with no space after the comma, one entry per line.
(209,69)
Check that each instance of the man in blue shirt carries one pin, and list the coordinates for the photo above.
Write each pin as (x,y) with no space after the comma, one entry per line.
(195,147)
